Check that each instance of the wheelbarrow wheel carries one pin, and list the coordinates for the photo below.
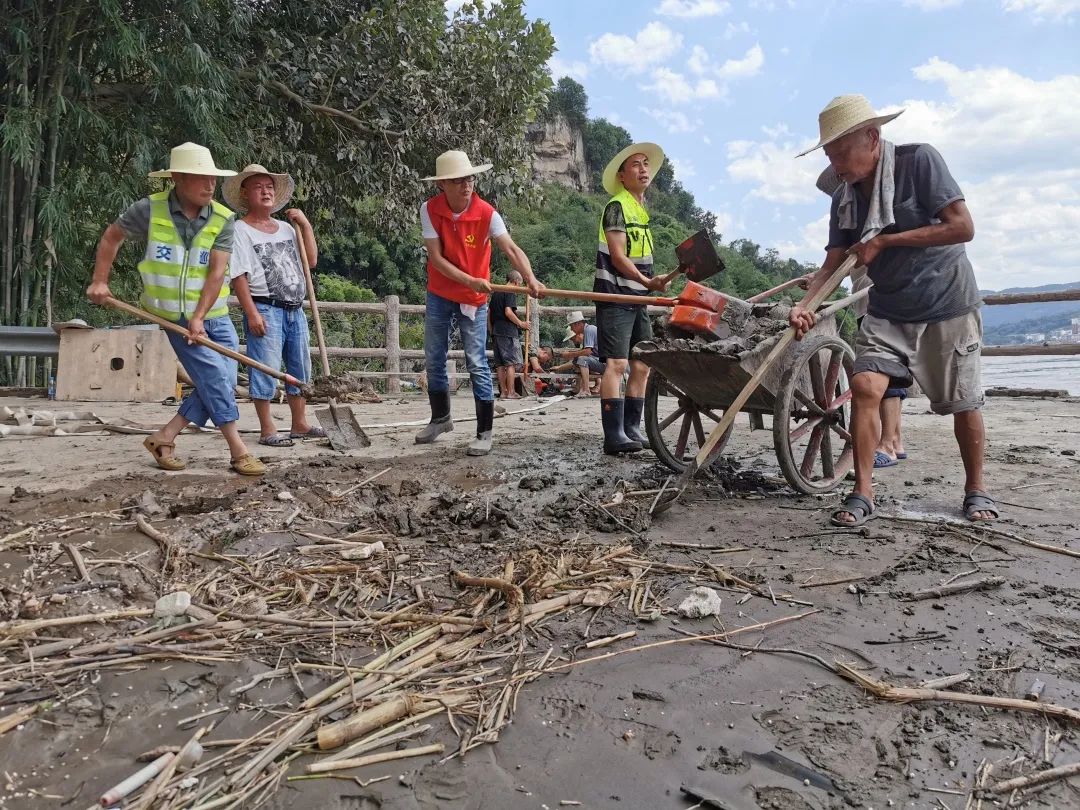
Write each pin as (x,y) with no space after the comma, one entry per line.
(677,425)
(812,416)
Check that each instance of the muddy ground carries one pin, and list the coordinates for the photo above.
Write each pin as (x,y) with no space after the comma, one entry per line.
(745,730)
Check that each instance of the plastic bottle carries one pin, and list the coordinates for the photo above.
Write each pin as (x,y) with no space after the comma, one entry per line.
(52,387)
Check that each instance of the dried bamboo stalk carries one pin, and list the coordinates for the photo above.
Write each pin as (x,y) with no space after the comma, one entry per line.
(374,759)
(1040,778)
(511,592)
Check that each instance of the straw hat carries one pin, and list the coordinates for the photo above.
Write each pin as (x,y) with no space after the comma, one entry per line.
(569,336)
(190,158)
(283,188)
(846,114)
(453,164)
(574,317)
(829,181)
(653,152)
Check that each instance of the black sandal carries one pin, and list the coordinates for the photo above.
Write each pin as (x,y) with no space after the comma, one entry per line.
(858,506)
(976,501)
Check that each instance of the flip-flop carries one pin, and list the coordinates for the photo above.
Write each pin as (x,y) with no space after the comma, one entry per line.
(277,440)
(248,465)
(859,506)
(976,501)
(883,460)
(313,433)
(170,463)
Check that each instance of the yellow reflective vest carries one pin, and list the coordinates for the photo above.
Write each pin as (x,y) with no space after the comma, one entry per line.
(173,275)
(639,249)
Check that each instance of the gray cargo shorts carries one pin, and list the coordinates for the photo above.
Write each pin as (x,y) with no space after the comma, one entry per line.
(945,358)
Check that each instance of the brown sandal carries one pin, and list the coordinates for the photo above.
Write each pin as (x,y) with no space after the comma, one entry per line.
(170,463)
(248,465)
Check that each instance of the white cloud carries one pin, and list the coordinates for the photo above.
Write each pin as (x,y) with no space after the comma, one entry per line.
(675,122)
(699,62)
(683,168)
(574,69)
(769,166)
(693,8)
(933,5)
(674,88)
(652,46)
(1044,9)
(810,245)
(732,30)
(749,65)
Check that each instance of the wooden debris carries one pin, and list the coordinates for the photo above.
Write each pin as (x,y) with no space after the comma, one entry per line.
(1040,778)
(984,584)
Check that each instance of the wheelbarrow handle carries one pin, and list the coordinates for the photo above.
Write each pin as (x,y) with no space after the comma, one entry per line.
(604,298)
(176,329)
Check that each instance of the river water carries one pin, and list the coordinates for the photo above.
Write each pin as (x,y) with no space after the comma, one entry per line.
(1035,371)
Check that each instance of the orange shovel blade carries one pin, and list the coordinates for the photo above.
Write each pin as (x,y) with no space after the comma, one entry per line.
(699,321)
(702,297)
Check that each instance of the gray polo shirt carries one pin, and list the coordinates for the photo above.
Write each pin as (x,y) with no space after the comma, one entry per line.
(915,285)
(135,223)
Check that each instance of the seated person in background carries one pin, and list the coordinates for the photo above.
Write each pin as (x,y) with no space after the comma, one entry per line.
(585,358)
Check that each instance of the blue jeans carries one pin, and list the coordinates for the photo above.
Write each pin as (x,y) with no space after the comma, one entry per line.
(439,321)
(214,375)
(286,337)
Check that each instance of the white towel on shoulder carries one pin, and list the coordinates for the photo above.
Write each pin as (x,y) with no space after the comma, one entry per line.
(880,214)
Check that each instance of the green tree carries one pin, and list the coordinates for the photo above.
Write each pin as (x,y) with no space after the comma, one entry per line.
(602,140)
(354,97)
(569,100)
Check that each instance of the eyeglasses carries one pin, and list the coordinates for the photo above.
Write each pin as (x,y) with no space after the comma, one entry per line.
(463,181)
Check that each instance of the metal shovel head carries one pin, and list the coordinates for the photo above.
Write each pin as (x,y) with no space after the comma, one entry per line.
(341,427)
(697,257)
(699,321)
(702,297)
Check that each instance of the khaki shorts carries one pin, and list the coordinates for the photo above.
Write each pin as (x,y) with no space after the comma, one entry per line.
(945,358)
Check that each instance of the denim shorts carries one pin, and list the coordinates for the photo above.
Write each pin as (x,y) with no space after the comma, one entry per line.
(286,339)
(214,375)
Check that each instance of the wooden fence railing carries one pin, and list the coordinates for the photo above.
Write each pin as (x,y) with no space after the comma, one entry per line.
(391,309)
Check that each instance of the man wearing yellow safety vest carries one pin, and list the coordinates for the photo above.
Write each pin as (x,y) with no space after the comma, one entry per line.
(624,265)
(189,238)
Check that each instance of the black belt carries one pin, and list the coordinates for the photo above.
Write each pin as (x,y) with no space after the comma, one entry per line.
(263,299)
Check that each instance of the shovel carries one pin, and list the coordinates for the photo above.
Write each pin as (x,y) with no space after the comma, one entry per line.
(339,422)
(697,308)
(175,328)
(732,410)
(697,258)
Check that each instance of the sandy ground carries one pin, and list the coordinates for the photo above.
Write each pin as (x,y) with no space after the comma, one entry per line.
(632,730)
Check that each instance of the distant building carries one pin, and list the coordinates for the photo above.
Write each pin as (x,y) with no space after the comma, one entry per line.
(1076,330)
(1035,337)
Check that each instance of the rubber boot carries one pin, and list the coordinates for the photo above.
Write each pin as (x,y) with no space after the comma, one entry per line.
(632,421)
(485,415)
(615,440)
(440,418)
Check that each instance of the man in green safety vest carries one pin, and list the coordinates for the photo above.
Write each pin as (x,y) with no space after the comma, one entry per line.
(188,237)
(624,265)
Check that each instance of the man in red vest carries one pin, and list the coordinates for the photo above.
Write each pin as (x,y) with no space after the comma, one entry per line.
(458,229)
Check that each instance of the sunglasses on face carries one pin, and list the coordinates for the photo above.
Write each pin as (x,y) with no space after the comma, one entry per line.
(463,181)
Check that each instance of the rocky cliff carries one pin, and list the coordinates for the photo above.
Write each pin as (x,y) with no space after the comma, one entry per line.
(558,153)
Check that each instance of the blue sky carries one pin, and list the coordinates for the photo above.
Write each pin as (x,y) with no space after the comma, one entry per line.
(731,90)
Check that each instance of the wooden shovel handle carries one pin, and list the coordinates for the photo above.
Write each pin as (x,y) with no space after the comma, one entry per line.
(176,329)
(604,298)
(315,319)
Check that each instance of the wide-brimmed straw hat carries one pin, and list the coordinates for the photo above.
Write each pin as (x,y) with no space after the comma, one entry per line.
(190,158)
(845,114)
(574,317)
(454,164)
(611,172)
(283,188)
(568,336)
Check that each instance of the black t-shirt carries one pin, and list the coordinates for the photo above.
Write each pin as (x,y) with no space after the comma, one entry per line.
(499,324)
